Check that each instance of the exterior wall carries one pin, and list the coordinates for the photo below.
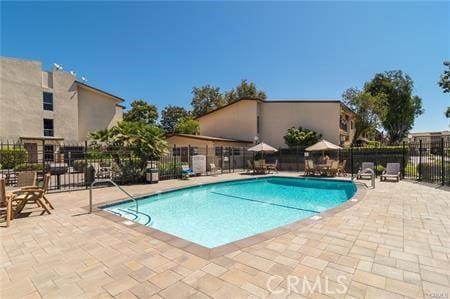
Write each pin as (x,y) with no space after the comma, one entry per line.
(65,106)
(96,111)
(21,112)
(185,141)
(237,121)
(277,118)
(77,110)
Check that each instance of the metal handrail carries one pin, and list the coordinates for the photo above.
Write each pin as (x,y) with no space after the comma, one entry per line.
(97,181)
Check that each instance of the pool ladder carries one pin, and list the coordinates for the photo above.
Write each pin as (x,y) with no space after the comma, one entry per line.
(98,181)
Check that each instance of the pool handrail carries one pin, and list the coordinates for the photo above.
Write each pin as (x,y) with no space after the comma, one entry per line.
(98,181)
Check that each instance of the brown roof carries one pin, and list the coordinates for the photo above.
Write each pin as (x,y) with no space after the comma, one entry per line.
(209,138)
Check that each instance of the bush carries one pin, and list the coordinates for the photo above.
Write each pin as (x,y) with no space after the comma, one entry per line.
(379,169)
(79,165)
(29,167)
(10,157)
(169,169)
(130,172)
(432,172)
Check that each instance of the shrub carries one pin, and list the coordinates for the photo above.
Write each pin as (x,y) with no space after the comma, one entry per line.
(29,167)
(379,169)
(432,172)
(10,157)
(169,169)
(130,172)
(79,165)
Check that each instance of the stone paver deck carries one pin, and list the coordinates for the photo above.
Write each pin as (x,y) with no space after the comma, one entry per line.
(394,243)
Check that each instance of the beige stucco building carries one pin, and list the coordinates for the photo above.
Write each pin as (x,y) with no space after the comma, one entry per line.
(268,120)
(50,106)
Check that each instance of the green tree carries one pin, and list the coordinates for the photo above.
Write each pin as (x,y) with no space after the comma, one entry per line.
(187,125)
(244,90)
(444,82)
(396,106)
(170,116)
(205,99)
(365,107)
(131,143)
(142,112)
(301,137)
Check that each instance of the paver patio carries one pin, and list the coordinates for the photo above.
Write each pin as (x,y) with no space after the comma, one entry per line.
(393,243)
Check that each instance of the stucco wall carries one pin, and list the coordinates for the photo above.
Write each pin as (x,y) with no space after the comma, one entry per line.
(96,111)
(276,118)
(21,110)
(237,121)
(65,106)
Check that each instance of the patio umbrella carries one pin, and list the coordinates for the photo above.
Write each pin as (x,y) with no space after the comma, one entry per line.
(323,145)
(262,148)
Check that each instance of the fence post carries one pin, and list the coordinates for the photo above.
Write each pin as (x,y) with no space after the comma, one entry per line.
(420,159)
(85,168)
(351,159)
(206,158)
(442,162)
(403,160)
(43,156)
(229,160)
(232,157)
(189,156)
(244,165)
(221,159)
(297,158)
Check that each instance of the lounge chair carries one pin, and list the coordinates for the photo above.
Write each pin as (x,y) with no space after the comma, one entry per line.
(5,203)
(367,170)
(333,169)
(214,169)
(392,171)
(30,195)
(44,189)
(272,166)
(341,168)
(250,167)
(310,169)
(186,172)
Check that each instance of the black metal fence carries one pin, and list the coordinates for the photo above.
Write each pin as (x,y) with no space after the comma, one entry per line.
(75,166)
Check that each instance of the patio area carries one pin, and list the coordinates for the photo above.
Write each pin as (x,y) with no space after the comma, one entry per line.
(393,243)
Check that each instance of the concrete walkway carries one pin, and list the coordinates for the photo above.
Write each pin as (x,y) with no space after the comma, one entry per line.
(394,243)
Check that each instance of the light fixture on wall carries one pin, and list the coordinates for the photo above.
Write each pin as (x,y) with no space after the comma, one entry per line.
(256,139)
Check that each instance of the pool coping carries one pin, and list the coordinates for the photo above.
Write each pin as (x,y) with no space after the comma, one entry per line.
(211,253)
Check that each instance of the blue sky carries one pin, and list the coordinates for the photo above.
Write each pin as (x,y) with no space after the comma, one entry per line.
(160,50)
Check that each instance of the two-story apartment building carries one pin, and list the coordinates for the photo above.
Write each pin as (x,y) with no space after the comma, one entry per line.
(50,107)
(269,120)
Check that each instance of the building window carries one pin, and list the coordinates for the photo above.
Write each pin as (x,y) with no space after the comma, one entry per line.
(49,152)
(48,127)
(257,124)
(48,101)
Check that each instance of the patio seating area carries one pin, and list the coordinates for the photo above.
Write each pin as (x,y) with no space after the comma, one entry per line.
(392,243)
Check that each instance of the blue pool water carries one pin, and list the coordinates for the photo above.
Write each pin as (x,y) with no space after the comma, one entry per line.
(215,214)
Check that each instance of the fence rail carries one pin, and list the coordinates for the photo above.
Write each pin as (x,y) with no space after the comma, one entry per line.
(75,166)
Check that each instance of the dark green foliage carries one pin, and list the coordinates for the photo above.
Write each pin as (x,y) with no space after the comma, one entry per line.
(170,116)
(10,157)
(396,105)
(141,112)
(187,125)
(244,90)
(205,99)
(444,82)
(29,167)
(301,137)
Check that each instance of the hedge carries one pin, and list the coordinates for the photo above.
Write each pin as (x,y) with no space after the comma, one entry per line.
(29,167)
(10,157)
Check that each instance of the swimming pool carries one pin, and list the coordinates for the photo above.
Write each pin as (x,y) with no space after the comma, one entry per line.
(219,213)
